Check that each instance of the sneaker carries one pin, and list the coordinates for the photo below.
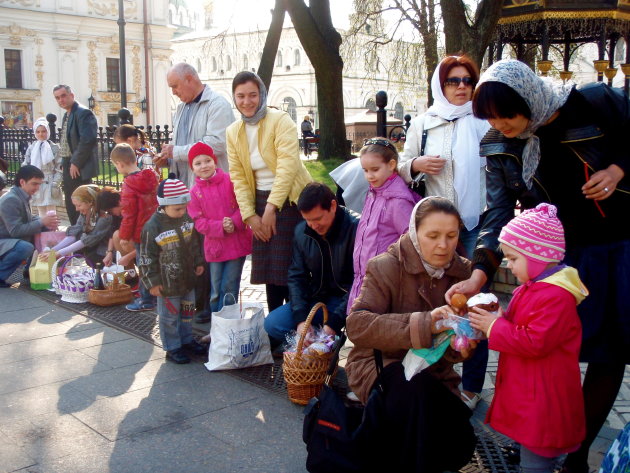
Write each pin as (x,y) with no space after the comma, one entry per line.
(470,401)
(138,306)
(177,356)
(196,348)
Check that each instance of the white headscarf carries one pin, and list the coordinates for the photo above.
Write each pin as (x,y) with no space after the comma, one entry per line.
(465,151)
(543,96)
(41,152)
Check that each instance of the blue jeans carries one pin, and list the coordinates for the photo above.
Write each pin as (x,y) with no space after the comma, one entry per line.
(176,328)
(533,463)
(280,321)
(225,278)
(145,296)
(12,259)
(468,239)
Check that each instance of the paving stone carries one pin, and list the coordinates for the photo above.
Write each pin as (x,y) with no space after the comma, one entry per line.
(119,353)
(255,420)
(12,456)
(50,399)
(171,402)
(14,300)
(46,370)
(24,350)
(47,437)
(118,381)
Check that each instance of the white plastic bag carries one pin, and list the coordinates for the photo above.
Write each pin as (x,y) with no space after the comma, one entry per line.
(238,337)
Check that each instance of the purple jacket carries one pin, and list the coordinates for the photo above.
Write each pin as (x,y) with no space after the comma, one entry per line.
(210,201)
(385,217)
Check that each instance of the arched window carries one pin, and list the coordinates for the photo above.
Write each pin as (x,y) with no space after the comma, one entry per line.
(371,105)
(245,62)
(214,64)
(296,53)
(229,63)
(279,59)
(399,111)
(290,106)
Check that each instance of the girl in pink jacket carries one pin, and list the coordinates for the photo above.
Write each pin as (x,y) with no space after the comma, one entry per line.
(386,211)
(213,207)
(538,398)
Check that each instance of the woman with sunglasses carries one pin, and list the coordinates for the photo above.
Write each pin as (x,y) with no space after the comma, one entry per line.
(552,142)
(442,149)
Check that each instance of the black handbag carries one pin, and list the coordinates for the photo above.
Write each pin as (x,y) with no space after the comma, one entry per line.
(419,183)
(339,438)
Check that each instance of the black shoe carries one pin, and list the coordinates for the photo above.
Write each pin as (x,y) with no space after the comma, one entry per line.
(196,348)
(177,356)
(25,274)
(3,283)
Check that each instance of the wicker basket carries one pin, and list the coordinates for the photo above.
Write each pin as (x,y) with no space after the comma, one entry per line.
(72,278)
(114,294)
(305,374)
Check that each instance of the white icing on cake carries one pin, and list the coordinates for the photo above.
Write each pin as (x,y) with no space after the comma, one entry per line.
(481,299)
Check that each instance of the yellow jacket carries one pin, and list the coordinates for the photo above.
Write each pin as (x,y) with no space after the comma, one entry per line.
(279,148)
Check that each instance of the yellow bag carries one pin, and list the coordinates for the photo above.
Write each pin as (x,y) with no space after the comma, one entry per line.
(40,271)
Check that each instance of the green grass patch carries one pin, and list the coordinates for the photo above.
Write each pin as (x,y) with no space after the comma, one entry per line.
(320,170)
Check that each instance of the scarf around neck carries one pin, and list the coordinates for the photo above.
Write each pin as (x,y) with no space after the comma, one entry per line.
(41,152)
(464,149)
(543,96)
(261,111)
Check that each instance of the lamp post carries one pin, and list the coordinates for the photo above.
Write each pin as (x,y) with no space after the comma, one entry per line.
(123,61)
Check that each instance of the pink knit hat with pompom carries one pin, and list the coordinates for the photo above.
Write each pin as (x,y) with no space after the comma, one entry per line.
(537,234)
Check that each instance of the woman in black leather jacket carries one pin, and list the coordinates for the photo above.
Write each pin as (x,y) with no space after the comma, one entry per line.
(554,143)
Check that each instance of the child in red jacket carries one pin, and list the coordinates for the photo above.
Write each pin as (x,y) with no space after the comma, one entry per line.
(138,199)
(538,398)
(226,239)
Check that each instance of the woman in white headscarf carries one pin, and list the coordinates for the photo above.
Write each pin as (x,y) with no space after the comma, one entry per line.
(44,154)
(451,167)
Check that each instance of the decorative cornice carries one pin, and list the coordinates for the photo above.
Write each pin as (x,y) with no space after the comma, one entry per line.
(16,33)
(19,94)
(567,15)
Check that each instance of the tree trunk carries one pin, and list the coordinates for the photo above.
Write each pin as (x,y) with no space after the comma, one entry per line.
(268,59)
(464,37)
(313,25)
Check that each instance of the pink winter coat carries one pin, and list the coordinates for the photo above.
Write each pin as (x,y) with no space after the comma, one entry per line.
(210,201)
(538,395)
(385,217)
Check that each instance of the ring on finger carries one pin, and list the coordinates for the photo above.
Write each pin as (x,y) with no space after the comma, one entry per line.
(606,189)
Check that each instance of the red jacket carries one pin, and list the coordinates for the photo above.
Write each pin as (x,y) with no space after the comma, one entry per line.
(138,199)
(538,394)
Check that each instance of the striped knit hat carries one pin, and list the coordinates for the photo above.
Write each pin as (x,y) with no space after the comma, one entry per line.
(172,191)
(537,234)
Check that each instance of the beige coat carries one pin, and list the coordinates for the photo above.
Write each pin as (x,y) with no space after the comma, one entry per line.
(393,314)
(279,148)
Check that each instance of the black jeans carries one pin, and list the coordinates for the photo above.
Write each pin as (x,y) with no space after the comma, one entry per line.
(69,186)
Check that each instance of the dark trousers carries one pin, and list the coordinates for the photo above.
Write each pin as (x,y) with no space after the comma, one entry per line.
(69,186)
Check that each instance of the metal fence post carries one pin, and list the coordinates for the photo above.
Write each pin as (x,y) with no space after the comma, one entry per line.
(51,118)
(381,113)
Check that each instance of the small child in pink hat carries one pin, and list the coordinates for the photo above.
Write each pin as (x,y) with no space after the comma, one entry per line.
(538,398)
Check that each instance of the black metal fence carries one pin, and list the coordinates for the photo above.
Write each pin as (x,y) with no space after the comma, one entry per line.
(14,142)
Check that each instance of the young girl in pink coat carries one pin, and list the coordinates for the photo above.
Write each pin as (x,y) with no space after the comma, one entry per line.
(538,398)
(386,211)
(213,207)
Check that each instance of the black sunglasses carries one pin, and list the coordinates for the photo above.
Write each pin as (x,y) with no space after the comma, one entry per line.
(380,142)
(455,81)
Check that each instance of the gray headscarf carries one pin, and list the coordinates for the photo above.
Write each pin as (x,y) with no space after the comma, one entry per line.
(261,111)
(543,95)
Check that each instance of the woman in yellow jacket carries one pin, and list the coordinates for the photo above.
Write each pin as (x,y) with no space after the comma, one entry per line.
(268,176)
